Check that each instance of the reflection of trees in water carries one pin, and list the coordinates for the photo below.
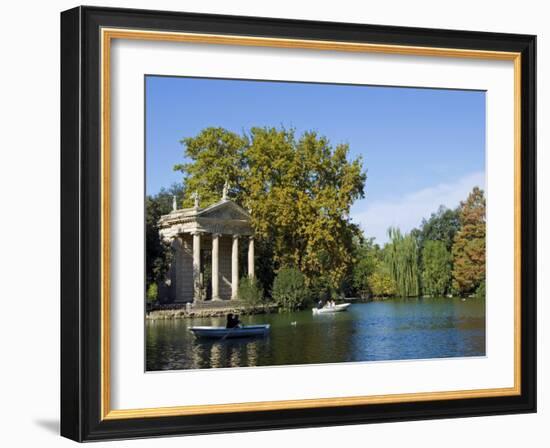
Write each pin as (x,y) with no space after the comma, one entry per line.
(314,339)
(164,347)
(234,357)
(216,356)
(251,354)
(226,353)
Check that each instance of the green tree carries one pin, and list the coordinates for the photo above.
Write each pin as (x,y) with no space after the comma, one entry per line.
(290,291)
(250,292)
(152,292)
(299,193)
(158,253)
(381,283)
(469,245)
(441,226)
(480,291)
(367,259)
(436,268)
(401,255)
(216,156)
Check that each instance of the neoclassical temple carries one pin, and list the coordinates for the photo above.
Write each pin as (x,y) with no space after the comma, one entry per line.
(205,241)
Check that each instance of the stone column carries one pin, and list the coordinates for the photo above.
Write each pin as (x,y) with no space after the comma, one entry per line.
(251,257)
(235,267)
(196,266)
(215,266)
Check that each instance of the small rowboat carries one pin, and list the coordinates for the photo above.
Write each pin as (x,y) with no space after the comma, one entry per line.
(226,333)
(331,309)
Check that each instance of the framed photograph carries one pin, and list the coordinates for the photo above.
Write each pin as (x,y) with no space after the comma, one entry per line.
(273,223)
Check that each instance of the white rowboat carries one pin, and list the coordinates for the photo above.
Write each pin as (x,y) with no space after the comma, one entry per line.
(226,333)
(331,309)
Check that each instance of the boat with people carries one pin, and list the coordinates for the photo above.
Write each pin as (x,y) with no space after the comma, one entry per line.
(242,331)
(331,308)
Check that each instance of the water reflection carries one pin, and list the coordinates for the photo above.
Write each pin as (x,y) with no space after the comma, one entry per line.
(388,330)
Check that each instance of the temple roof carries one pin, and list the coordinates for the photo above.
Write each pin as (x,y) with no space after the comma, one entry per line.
(223,217)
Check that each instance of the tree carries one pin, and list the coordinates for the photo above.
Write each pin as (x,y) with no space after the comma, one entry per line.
(367,259)
(299,193)
(441,226)
(380,282)
(158,252)
(250,292)
(436,268)
(289,289)
(152,292)
(401,255)
(469,245)
(216,157)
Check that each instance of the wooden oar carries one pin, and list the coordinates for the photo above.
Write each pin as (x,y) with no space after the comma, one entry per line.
(228,333)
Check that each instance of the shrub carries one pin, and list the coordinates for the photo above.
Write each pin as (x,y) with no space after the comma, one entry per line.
(289,289)
(480,291)
(152,292)
(250,292)
(382,285)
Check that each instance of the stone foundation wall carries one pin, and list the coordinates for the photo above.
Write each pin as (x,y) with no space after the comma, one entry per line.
(204,311)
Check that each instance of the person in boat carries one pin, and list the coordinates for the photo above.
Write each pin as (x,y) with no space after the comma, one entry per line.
(236,321)
(229,321)
(233,321)
(320,304)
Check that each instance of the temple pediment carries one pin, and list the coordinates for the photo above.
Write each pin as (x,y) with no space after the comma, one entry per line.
(224,210)
(224,217)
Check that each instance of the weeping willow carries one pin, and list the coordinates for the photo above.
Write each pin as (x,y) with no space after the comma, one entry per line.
(401,258)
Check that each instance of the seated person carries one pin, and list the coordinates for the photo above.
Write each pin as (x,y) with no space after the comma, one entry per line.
(232,321)
(237,321)
(229,322)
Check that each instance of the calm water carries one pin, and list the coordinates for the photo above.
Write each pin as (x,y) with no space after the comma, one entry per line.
(389,330)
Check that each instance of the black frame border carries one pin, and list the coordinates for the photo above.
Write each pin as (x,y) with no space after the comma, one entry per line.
(81,223)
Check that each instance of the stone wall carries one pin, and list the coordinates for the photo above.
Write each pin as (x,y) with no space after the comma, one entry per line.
(183,266)
(181,270)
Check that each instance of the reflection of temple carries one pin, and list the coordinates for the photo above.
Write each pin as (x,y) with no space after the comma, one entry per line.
(206,247)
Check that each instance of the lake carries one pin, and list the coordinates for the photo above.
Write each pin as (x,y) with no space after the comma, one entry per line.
(393,329)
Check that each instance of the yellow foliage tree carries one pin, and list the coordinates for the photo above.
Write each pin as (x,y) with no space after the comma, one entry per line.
(299,193)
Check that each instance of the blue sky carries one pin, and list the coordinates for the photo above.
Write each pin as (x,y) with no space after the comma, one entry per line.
(420,147)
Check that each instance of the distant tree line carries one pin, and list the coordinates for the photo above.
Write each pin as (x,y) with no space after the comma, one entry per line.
(444,256)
